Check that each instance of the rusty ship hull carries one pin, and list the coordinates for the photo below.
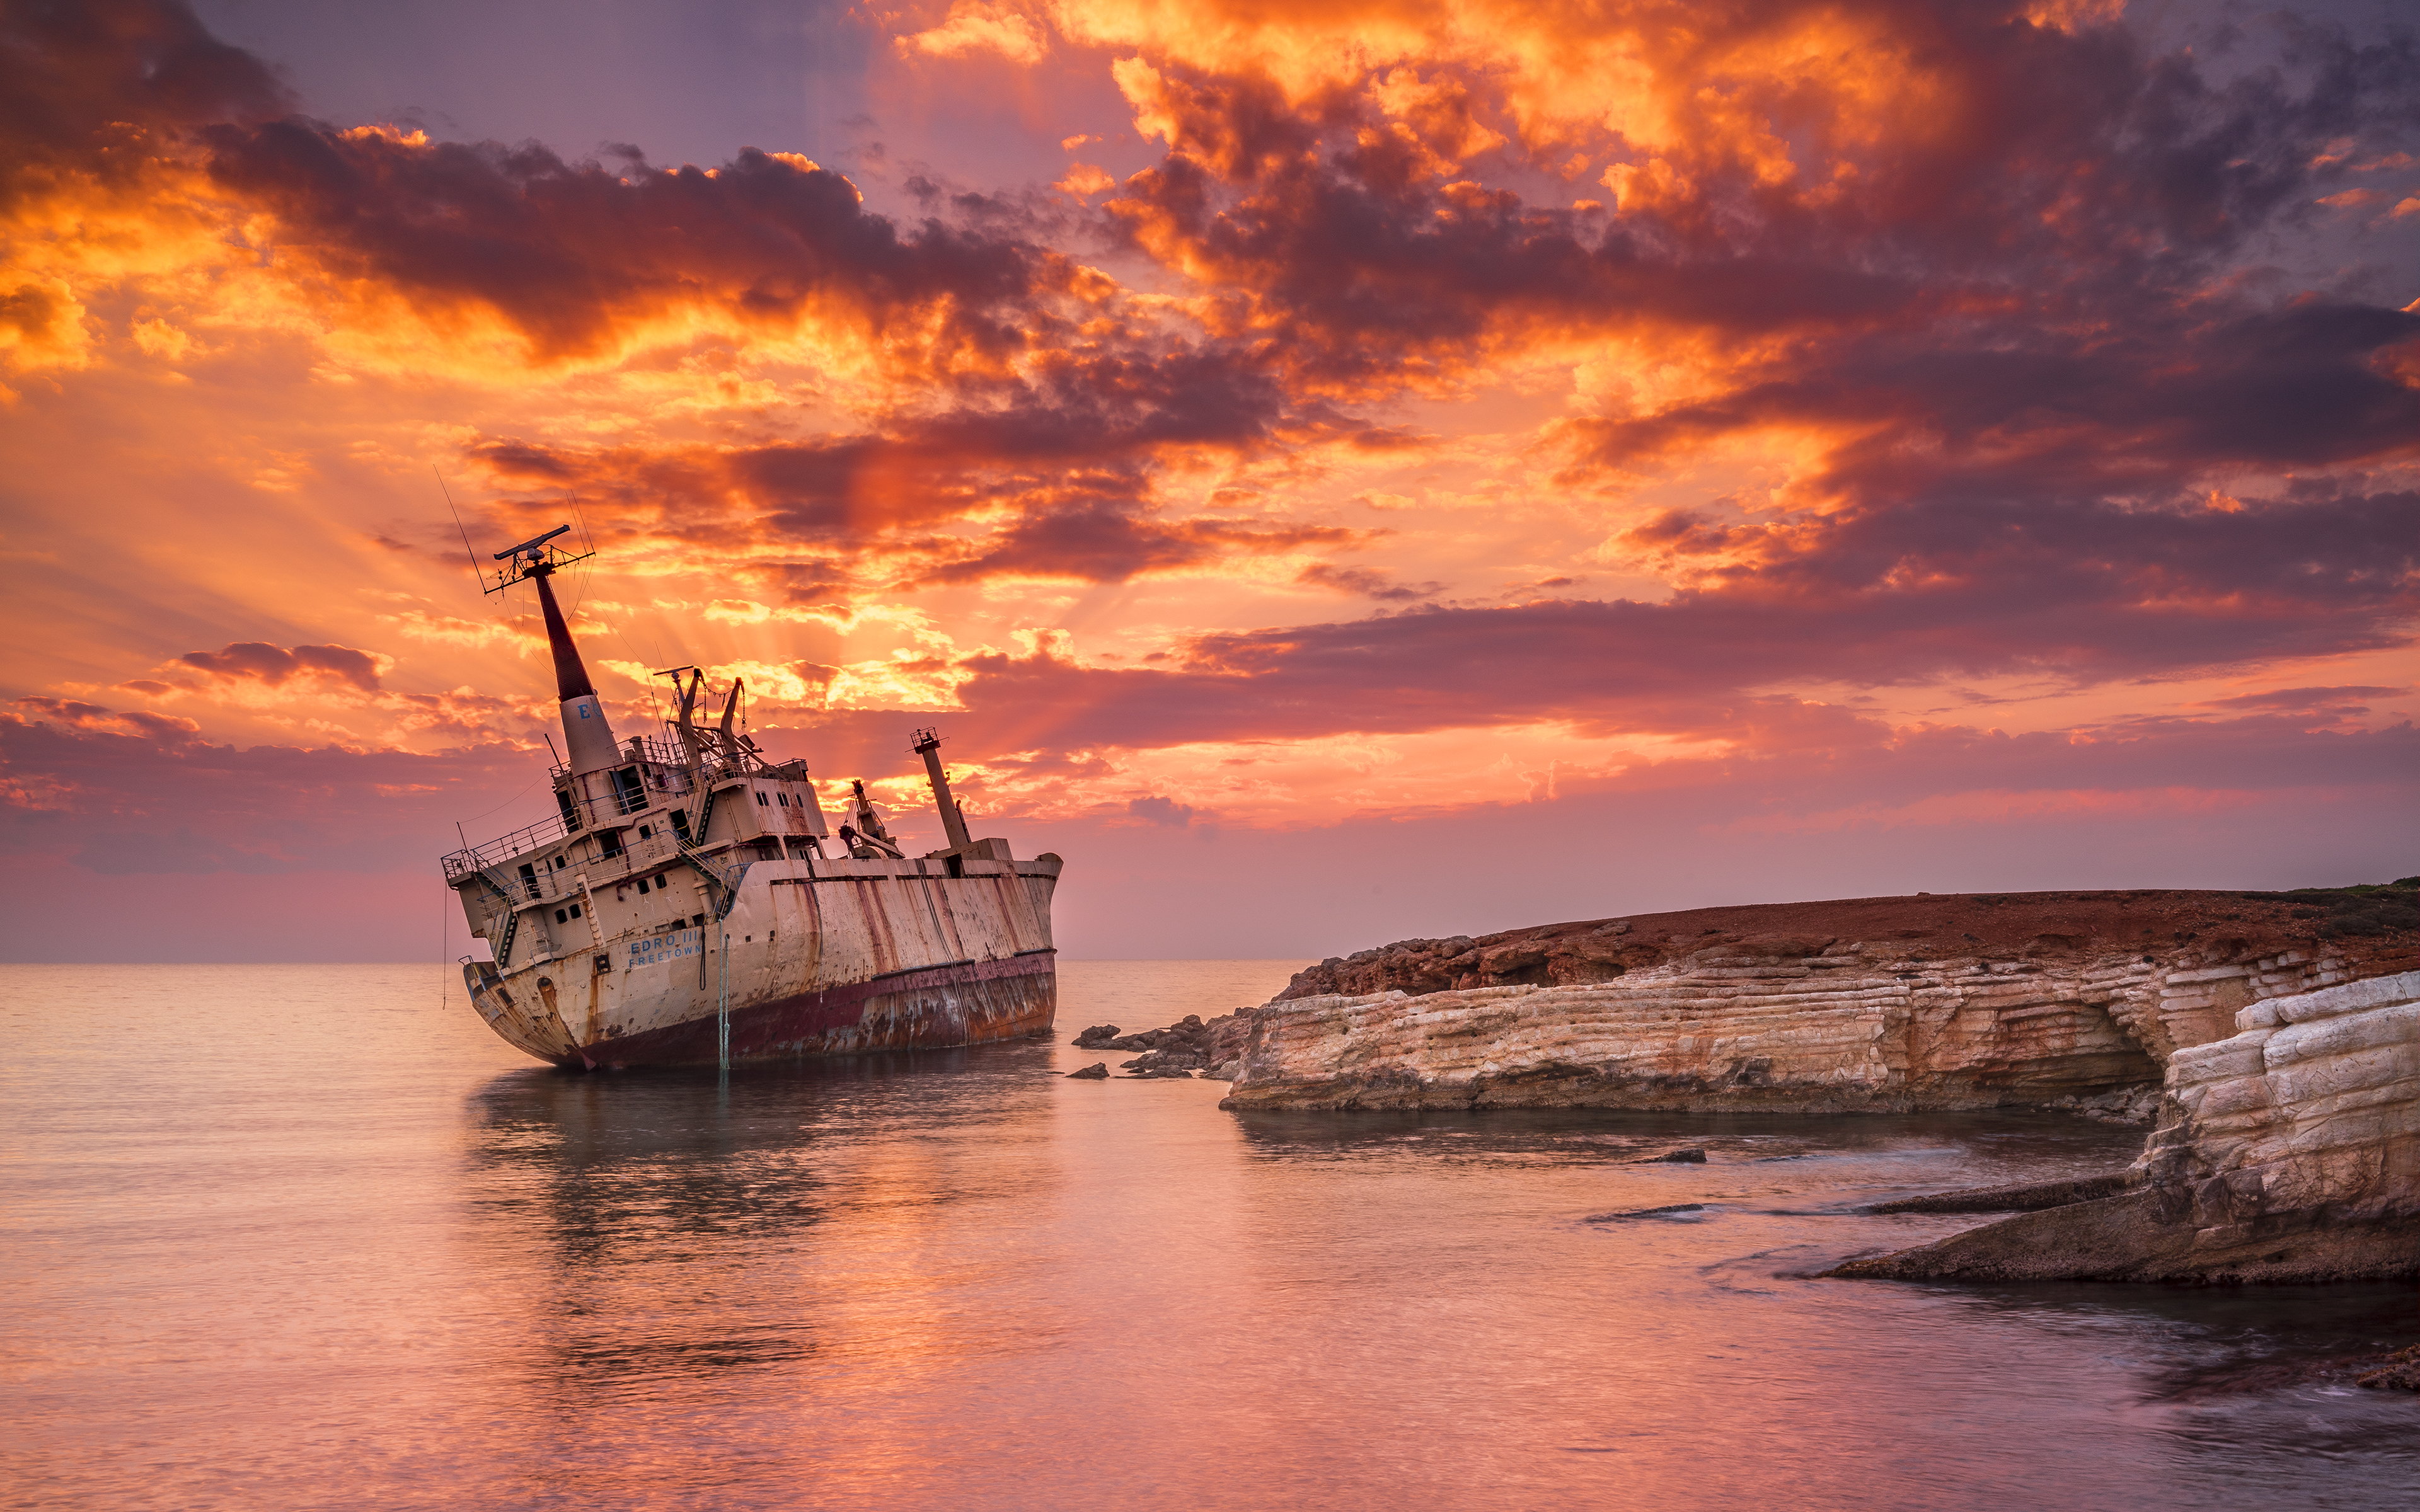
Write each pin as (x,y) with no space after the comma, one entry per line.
(927,1008)
(682,906)
(815,958)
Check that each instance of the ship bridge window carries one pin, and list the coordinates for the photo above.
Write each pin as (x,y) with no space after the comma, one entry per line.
(646,831)
(763,800)
(561,917)
(782,798)
(628,792)
(642,887)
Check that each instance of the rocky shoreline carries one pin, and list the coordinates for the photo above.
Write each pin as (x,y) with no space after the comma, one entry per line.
(2274,1039)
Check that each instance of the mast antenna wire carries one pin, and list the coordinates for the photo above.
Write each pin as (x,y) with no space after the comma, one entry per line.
(579,596)
(463,529)
(588,538)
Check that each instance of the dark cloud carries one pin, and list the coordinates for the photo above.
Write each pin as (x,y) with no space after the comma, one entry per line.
(571,253)
(1160,811)
(84,81)
(2079,594)
(256,661)
(99,785)
(2342,699)
(2021,312)
(1365,583)
(2036,284)
(1107,545)
(1055,500)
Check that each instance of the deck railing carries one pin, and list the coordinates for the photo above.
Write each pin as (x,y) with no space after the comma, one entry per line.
(663,780)
(478,857)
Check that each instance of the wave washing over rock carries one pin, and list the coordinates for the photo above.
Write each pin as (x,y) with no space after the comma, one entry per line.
(2274,1039)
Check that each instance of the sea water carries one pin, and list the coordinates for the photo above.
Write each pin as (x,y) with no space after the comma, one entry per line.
(310,1235)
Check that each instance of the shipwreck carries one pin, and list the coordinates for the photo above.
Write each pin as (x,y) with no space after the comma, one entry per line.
(681,906)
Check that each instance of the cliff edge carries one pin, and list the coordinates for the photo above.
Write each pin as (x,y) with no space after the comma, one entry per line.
(2074,1000)
(2274,1038)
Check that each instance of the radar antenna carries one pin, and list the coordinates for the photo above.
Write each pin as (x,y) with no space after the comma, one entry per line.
(533,558)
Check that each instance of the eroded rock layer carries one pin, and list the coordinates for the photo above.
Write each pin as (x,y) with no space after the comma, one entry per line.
(2287,1151)
(2066,1000)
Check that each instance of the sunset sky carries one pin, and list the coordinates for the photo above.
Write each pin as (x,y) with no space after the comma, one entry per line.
(1332,472)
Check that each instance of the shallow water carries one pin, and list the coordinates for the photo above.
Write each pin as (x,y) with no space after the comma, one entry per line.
(299,1236)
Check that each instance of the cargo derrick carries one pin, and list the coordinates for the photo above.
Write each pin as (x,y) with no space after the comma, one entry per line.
(681,906)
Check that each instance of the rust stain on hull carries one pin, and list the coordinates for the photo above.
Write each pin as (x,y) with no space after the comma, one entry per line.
(930,1008)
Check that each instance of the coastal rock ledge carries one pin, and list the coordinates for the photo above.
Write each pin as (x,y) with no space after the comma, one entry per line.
(2278,1057)
(2286,1152)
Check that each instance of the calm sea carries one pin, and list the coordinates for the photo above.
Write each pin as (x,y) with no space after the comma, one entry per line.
(308,1236)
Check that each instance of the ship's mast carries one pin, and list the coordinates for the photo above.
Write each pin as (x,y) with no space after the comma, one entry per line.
(953,819)
(588,740)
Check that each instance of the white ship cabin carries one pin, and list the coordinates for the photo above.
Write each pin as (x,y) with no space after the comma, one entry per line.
(651,843)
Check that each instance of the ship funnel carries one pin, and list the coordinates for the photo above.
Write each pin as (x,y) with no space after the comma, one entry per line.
(587,739)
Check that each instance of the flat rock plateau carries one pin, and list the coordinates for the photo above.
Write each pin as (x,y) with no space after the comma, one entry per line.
(2273,1040)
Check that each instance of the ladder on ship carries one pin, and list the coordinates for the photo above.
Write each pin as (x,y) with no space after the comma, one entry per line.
(724,885)
(504,947)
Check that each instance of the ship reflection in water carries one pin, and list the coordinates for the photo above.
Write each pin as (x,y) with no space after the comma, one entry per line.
(332,1248)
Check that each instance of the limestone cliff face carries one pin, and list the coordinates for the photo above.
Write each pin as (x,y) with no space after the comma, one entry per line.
(1807,1024)
(2287,1151)
(2276,1036)
(2074,1000)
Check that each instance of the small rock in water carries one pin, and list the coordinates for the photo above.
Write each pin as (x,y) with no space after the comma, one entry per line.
(1096,1038)
(1674,1157)
(1097,1072)
(2402,1375)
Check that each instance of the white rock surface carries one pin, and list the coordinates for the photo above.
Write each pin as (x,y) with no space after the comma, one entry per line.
(2313,1108)
(2288,1152)
(1783,1023)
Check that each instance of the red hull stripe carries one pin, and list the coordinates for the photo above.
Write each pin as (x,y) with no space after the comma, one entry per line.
(968,1002)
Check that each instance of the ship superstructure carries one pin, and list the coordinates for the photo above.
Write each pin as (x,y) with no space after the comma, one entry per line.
(682,905)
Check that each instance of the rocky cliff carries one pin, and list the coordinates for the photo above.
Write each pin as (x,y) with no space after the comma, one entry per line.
(2287,1151)
(1885,1004)
(2275,1038)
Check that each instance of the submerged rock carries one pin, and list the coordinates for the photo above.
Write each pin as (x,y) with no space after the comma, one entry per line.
(2028,1198)
(1215,1048)
(1674,1157)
